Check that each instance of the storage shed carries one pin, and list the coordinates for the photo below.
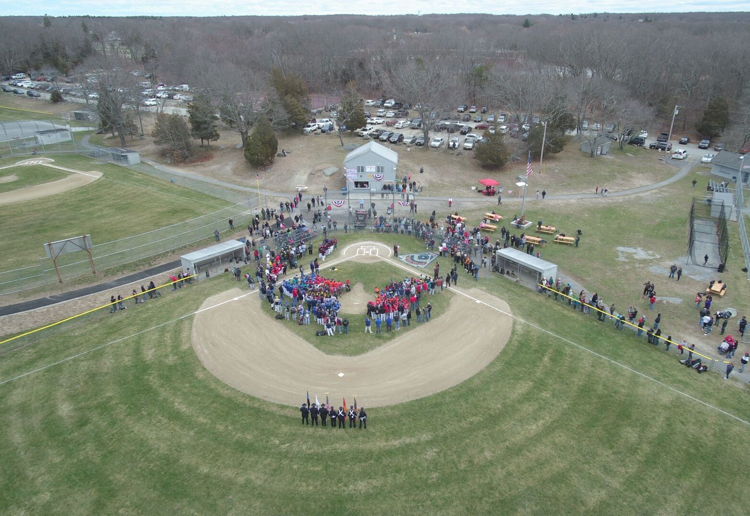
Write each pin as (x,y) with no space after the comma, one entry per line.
(528,269)
(213,259)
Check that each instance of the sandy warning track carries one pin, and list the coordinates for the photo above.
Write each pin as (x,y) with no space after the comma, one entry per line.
(242,345)
(76,179)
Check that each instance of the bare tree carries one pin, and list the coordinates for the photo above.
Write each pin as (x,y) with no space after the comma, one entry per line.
(428,86)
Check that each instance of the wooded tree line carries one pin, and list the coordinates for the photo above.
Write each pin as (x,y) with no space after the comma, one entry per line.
(623,69)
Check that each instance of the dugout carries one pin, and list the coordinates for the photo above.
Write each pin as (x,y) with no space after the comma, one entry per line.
(216,258)
(527,269)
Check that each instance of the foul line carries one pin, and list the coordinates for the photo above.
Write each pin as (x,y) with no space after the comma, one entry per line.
(412,270)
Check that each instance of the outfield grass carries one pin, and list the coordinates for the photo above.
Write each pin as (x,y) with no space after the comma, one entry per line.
(371,275)
(28,176)
(139,426)
(121,203)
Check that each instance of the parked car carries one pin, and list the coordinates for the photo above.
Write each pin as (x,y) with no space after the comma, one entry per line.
(469,143)
(389,103)
(719,147)
(436,142)
(679,154)
(482,126)
(7,88)
(684,140)
(585,125)
(308,129)
(384,137)
(662,137)
(490,118)
(365,131)
(503,129)
(707,158)
(638,141)
(453,142)
(380,112)
(402,124)
(597,126)
(375,121)
(416,123)
(154,102)
(410,140)
(662,146)
(465,129)
(466,117)
(370,102)
(704,144)
(419,142)
(462,108)
(392,122)
(390,114)
(396,138)
(609,128)
(484,109)
(643,134)
(32,93)
(473,109)
(375,133)
(478,118)
(502,117)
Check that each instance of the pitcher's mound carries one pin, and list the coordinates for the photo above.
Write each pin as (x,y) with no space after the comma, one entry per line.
(355,301)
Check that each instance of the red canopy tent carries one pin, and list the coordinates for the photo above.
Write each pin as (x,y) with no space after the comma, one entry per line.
(489,186)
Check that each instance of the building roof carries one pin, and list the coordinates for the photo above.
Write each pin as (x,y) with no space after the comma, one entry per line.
(380,150)
(730,160)
(214,251)
(530,261)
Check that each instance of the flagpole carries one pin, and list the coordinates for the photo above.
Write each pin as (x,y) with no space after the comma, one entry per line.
(541,153)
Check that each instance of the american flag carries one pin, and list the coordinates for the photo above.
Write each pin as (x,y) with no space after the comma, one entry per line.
(529,170)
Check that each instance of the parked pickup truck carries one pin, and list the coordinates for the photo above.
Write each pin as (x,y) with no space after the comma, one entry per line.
(662,146)
(663,137)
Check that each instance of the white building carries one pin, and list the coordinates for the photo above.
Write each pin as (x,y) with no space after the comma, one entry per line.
(370,167)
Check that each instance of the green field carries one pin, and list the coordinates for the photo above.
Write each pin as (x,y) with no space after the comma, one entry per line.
(119,204)
(138,426)
(28,176)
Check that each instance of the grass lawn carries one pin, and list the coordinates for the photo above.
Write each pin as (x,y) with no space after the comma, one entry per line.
(140,426)
(28,176)
(121,203)
(371,275)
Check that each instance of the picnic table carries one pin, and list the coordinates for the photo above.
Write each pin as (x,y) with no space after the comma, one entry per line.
(718,288)
(487,227)
(493,216)
(562,239)
(534,240)
(458,218)
(550,230)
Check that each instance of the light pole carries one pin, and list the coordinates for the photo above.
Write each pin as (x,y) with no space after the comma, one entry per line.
(671,126)
(522,183)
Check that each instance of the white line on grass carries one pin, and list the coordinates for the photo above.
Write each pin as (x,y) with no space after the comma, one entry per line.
(411,270)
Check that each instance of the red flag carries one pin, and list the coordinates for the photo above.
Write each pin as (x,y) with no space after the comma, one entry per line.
(345,411)
(355,403)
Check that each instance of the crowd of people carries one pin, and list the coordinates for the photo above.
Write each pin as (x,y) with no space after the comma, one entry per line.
(340,418)
(395,303)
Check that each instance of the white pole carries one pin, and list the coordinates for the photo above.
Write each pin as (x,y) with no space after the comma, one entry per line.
(544,137)
(671,126)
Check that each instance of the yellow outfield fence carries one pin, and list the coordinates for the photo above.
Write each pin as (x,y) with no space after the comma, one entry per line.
(147,292)
(678,345)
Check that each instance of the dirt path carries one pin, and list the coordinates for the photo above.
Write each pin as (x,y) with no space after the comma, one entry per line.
(242,345)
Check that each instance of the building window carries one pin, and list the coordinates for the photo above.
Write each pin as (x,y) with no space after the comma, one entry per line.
(381,169)
(360,169)
(362,184)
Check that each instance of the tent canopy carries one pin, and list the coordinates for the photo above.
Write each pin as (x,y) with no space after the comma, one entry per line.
(489,182)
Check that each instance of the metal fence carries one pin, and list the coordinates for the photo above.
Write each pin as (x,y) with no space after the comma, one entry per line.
(740,207)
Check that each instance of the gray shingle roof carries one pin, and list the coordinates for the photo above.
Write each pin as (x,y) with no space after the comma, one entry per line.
(378,149)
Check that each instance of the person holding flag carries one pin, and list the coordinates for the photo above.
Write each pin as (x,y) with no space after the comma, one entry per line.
(304,411)
(341,416)
(332,414)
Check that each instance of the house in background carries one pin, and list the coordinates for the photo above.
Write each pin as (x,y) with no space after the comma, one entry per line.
(727,165)
(370,167)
